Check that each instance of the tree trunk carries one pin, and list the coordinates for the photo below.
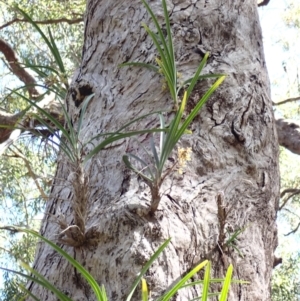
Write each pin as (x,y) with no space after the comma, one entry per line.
(231,183)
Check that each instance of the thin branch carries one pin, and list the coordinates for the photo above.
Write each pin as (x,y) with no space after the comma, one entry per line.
(44,22)
(292,212)
(286,100)
(289,190)
(17,70)
(293,192)
(29,81)
(18,154)
(293,231)
(296,229)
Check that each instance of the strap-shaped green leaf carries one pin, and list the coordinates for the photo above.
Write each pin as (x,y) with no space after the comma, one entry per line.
(146,267)
(39,279)
(170,293)
(226,285)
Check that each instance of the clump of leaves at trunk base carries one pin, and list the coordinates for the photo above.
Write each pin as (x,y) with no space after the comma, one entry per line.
(100,292)
(153,174)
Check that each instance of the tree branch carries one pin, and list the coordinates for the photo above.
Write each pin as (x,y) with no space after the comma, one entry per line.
(12,125)
(263,3)
(44,22)
(7,120)
(18,154)
(286,100)
(7,123)
(17,70)
(289,190)
(293,191)
(289,134)
(293,231)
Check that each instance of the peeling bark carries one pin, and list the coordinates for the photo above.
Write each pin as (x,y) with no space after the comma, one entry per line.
(234,170)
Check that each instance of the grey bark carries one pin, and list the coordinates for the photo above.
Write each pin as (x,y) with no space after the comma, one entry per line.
(234,169)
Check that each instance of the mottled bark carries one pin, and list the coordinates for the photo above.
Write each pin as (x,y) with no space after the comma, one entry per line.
(234,170)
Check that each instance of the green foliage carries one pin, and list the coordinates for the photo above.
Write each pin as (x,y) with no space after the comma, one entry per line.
(20,197)
(166,64)
(291,15)
(168,142)
(285,280)
(232,240)
(22,203)
(100,291)
(68,136)
(29,45)
(169,139)
(152,173)
(55,75)
(76,150)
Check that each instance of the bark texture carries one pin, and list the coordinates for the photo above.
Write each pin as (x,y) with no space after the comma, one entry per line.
(231,183)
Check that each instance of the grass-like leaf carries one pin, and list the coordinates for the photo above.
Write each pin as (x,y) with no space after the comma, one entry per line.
(170,293)
(166,61)
(23,288)
(196,76)
(226,285)
(88,277)
(165,48)
(140,173)
(56,53)
(115,137)
(100,292)
(39,279)
(198,107)
(206,282)
(146,267)
(68,147)
(50,42)
(144,290)
(69,139)
(169,139)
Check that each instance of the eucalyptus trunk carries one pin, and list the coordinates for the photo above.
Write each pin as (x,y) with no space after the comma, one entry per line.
(230,184)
